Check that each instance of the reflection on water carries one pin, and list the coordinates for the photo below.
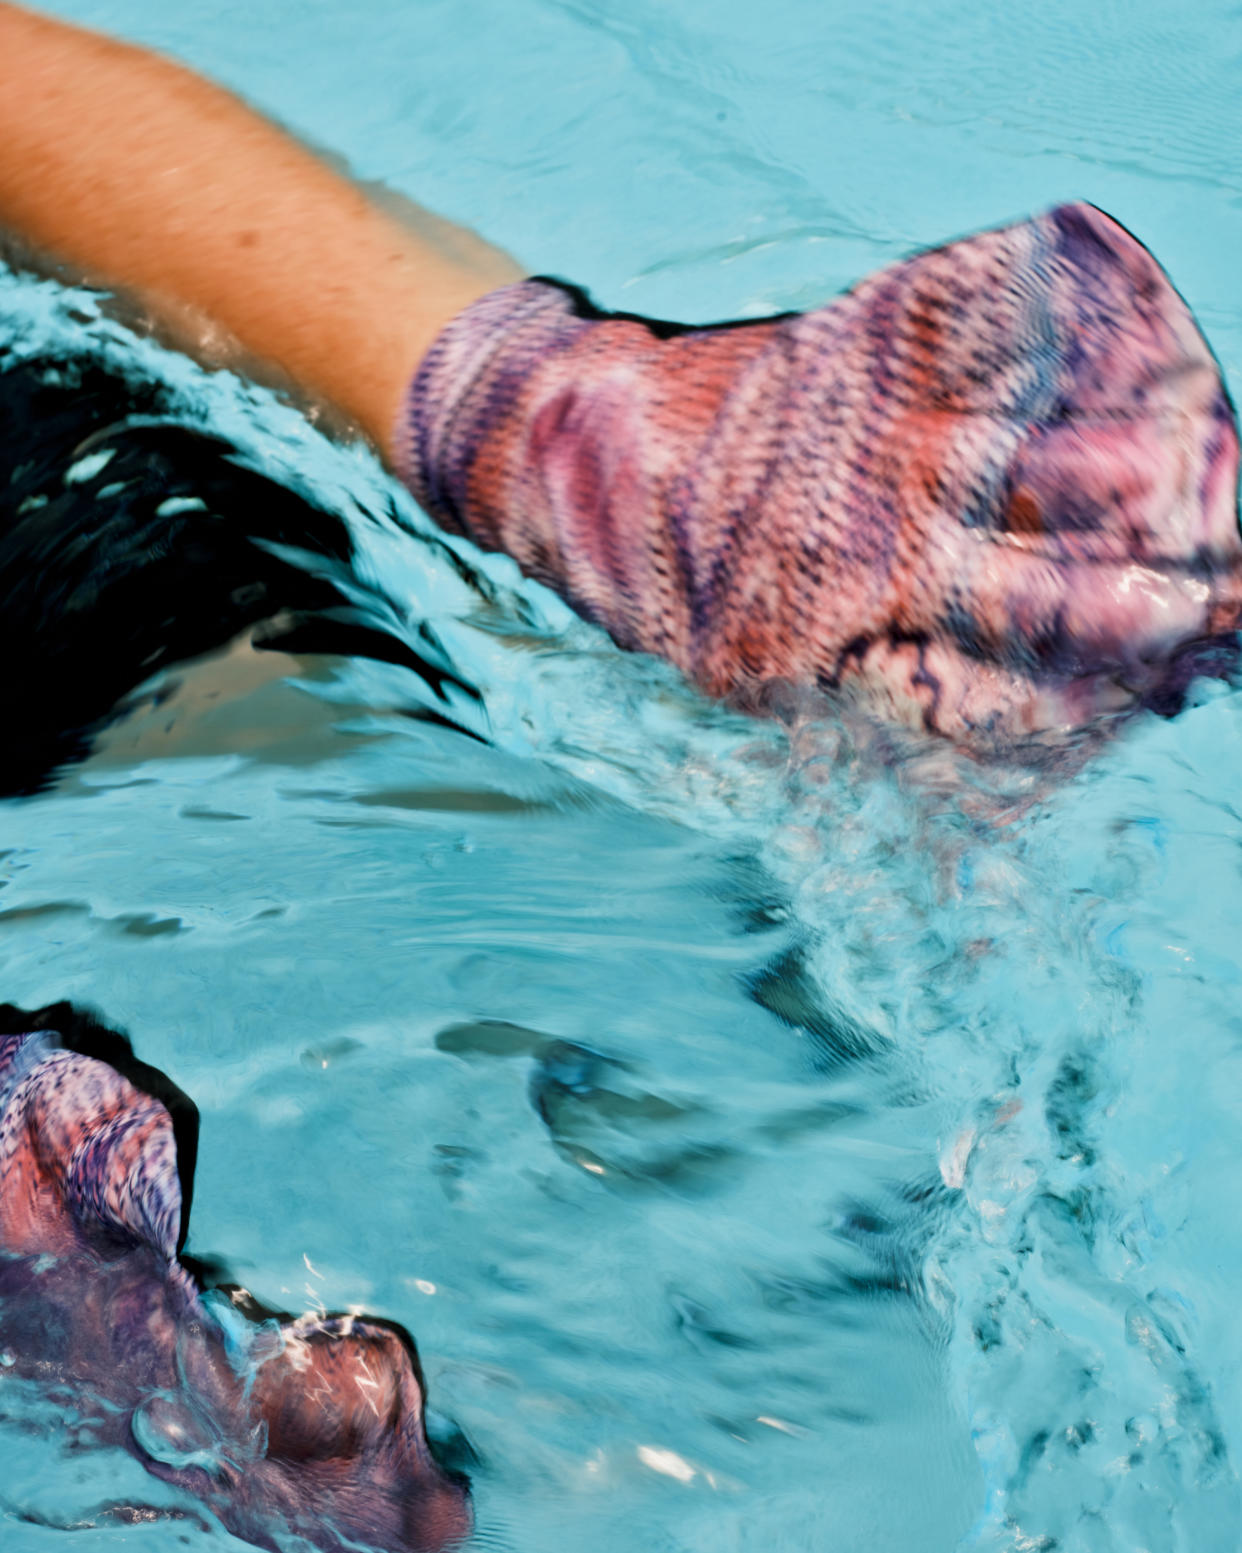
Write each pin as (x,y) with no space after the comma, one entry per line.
(773,1135)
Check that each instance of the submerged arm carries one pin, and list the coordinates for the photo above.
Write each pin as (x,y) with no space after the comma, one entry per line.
(148,178)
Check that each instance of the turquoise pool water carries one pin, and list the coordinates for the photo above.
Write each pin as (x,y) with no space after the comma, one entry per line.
(771,1143)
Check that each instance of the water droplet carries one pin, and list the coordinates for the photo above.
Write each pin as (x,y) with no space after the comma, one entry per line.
(169,1430)
(87,468)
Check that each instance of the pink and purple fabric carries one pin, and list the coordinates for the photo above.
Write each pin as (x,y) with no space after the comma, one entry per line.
(993,486)
(310,1428)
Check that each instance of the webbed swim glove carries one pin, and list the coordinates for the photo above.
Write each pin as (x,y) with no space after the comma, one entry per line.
(995,483)
(308,1431)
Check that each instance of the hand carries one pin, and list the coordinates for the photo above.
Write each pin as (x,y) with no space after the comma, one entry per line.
(993,486)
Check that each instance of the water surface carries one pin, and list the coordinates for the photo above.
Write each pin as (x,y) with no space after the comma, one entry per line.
(772,1136)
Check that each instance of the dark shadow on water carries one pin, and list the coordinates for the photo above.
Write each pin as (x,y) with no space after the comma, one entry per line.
(129,543)
(787,988)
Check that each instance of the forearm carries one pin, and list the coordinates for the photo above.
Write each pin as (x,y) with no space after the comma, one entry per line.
(146,177)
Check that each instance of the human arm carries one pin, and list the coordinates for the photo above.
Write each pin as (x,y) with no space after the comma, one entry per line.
(143,176)
(994,485)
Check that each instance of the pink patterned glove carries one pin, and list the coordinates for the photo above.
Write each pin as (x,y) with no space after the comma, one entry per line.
(309,1429)
(995,484)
